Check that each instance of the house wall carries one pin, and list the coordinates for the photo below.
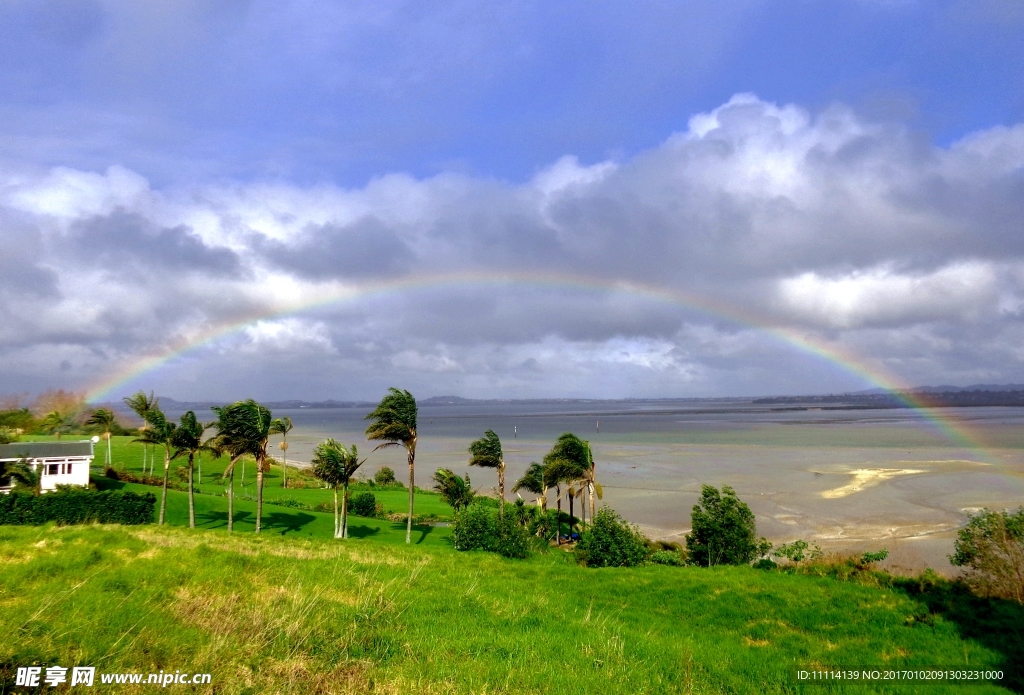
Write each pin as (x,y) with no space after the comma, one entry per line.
(68,471)
(60,471)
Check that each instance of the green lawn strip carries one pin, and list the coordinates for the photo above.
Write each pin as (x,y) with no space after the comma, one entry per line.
(212,513)
(305,615)
(128,456)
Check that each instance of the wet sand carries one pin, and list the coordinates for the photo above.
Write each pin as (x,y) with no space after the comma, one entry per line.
(847,480)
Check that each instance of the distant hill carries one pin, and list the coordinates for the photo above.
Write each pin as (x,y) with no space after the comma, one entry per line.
(948,389)
(933,397)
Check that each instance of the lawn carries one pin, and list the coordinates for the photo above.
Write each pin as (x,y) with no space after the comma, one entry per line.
(129,456)
(212,513)
(285,612)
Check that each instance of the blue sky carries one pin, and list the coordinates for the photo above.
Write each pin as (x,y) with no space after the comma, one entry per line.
(169,167)
(344,92)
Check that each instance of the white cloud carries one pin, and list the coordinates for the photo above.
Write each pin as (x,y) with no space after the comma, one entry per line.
(884,296)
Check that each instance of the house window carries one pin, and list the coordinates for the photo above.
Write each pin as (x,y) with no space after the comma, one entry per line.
(51,468)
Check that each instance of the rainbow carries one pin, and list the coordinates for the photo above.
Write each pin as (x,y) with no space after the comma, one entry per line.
(340,293)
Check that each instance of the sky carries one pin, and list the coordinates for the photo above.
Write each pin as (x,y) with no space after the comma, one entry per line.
(314,200)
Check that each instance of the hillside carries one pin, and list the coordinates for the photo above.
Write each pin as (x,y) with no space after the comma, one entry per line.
(297,615)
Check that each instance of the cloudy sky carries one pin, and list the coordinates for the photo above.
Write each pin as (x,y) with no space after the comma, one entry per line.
(521,199)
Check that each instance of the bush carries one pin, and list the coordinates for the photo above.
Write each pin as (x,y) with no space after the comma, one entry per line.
(474,529)
(385,476)
(77,506)
(668,557)
(991,547)
(798,551)
(611,542)
(723,532)
(364,504)
(477,527)
(511,538)
(129,477)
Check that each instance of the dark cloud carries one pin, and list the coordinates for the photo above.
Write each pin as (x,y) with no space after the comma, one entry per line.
(367,248)
(124,238)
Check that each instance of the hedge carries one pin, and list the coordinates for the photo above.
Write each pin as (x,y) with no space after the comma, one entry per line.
(77,507)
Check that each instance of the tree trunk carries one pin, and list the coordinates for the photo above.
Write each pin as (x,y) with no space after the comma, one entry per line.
(284,463)
(501,488)
(558,519)
(163,497)
(259,496)
(191,495)
(344,511)
(590,485)
(337,523)
(544,501)
(571,497)
(231,498)
(412,489)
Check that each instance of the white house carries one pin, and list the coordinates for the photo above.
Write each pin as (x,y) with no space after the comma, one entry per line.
(59,463)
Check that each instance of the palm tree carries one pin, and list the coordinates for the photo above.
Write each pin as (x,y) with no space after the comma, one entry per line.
(533,481)
(454,490)
(565,464)
(282,426)
(590,483)
(141,404)
(56,423)
(334,464)
(22,475)
(394,424)
(244,428)
(159,431)
(187,440)
(104,417)
(486,453)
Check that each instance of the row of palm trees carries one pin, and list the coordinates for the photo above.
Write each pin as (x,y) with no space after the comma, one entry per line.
(569,469)
(244,428)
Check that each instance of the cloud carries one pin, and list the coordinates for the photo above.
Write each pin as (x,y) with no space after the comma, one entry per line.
(880,296)
(854,232)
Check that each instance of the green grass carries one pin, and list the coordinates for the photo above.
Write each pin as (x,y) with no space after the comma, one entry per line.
(212,513)
(295,611)
(295,614)
(128,456)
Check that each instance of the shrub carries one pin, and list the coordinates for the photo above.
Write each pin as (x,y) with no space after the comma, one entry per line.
(765,564)
(129,477)
(991,547)
(724,532)
(385,476)
(611,542)
(77,506)
(478,527)
(474,529)
(364,504)
(668,557)
(511,539)
(798,551)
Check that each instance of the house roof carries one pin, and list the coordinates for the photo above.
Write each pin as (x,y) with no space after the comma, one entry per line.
(44,450)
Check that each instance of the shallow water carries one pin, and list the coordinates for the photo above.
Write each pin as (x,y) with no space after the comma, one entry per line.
(653,456)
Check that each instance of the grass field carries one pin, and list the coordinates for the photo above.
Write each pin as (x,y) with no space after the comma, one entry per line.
(298,615)
(128,456)
(295,611)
